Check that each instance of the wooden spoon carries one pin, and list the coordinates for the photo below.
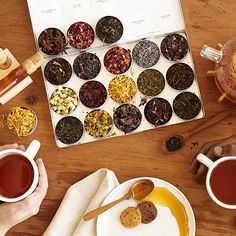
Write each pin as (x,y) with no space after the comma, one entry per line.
(138,191)
(182,138)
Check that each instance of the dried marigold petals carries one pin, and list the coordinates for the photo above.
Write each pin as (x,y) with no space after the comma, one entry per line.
(122,89)
(21,121)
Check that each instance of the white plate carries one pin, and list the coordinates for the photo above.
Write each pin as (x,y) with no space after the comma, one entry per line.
(108,223)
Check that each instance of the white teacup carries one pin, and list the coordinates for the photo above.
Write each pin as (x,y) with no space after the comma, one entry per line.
(211,166)
(30,153)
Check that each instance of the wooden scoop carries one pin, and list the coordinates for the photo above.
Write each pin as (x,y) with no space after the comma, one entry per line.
(182,138)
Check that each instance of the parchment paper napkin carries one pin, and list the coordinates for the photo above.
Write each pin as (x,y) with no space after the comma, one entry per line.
(80,198)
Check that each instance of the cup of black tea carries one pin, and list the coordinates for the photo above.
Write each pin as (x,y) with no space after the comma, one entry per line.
(221,180)
(19,173)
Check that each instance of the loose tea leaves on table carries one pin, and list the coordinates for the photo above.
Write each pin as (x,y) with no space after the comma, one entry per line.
(98,123)
(93,94)
(158,111)
(151,82)
(173,144)
(80,35)
(127,118)
(122,89)
(58,71)
(174,47)
(69,130)
(64,100)
(87,66)
(117,60)
(109,29)
(146,53)
(180,76)
(52,41)
(187,105)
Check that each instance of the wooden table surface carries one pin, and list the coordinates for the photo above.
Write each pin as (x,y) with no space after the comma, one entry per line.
(207,21)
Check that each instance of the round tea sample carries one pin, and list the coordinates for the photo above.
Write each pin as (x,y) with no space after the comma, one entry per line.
(117,60)
(69,130)
(151,82)
(109,29)
(58,71)
(187,105)
(93,94)
(122,89)
(80,35)
(52,41)
(158,111)
(127,118)
(64,100)
(180,76)
(87,66)
(174,47)
(146,53)
(98,123)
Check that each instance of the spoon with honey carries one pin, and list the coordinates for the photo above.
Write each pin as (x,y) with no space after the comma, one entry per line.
(176,142)
(138,191)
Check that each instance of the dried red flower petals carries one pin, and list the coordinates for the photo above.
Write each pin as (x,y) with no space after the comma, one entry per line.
(93,94)
(80,35)
(117,60)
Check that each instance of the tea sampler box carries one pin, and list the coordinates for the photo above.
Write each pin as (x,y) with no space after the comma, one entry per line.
(128,67)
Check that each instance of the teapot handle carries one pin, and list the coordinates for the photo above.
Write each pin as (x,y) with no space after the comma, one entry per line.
(33,149)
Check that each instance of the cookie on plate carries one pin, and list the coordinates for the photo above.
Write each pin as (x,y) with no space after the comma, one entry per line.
(148,211)
(130,217)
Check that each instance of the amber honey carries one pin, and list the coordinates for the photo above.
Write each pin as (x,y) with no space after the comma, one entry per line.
(163,197)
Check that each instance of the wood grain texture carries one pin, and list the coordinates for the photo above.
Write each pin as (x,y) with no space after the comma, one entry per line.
(207,21)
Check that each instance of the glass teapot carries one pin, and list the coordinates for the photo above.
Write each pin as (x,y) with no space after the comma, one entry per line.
(225,68)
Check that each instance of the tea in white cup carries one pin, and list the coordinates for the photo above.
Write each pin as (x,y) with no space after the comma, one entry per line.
(18,173)
(221,180)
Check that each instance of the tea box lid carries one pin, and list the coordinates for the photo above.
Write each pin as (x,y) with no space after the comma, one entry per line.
(140,19)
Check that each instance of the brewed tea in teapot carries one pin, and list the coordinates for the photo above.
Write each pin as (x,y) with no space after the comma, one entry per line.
(225,68)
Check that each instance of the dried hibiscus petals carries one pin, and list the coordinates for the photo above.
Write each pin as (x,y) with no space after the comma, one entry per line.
(174,47)
(158,111)
(117,60)
(93,94)
(80,35)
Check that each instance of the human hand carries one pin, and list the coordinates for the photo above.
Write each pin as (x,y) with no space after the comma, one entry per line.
(214,150)
(14,213)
